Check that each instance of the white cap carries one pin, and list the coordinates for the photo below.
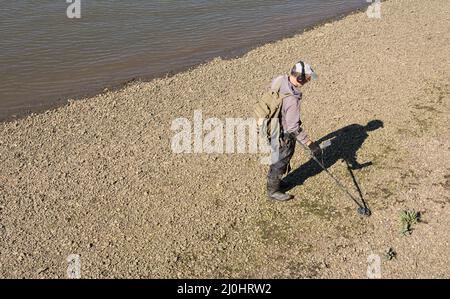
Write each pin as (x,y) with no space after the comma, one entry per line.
(308,70)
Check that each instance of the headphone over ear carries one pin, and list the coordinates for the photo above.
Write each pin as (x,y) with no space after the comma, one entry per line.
(302,78)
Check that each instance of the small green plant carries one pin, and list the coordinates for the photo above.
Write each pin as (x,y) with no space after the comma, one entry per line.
(408,219)
(390,254)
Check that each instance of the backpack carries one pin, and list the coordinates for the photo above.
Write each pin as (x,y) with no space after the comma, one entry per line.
(267,111)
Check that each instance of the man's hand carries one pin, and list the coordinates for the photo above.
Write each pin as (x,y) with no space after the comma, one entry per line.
(314,148)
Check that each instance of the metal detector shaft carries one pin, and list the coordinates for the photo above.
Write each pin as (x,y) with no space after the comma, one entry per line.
(340,185)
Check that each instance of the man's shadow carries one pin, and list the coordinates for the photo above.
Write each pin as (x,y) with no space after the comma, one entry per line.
(345,143)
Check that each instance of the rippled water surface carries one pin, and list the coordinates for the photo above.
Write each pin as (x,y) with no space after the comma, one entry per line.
(45,56)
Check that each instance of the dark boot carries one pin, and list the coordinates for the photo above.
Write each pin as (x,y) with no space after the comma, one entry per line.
(273,190)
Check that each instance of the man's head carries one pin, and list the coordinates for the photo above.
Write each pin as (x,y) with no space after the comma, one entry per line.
(301,73)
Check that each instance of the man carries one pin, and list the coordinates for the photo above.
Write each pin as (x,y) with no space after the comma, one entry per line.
(291,131)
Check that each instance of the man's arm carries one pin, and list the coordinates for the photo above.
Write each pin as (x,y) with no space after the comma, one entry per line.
(292,117)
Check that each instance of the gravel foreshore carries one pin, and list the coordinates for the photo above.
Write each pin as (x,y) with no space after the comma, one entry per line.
(98,178)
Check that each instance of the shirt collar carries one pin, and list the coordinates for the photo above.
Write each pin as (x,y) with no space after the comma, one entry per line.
(295,90)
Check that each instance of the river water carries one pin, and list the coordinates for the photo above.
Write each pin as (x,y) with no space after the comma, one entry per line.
(46,57)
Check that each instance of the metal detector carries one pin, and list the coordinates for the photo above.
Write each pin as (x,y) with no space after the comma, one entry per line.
(363,210)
